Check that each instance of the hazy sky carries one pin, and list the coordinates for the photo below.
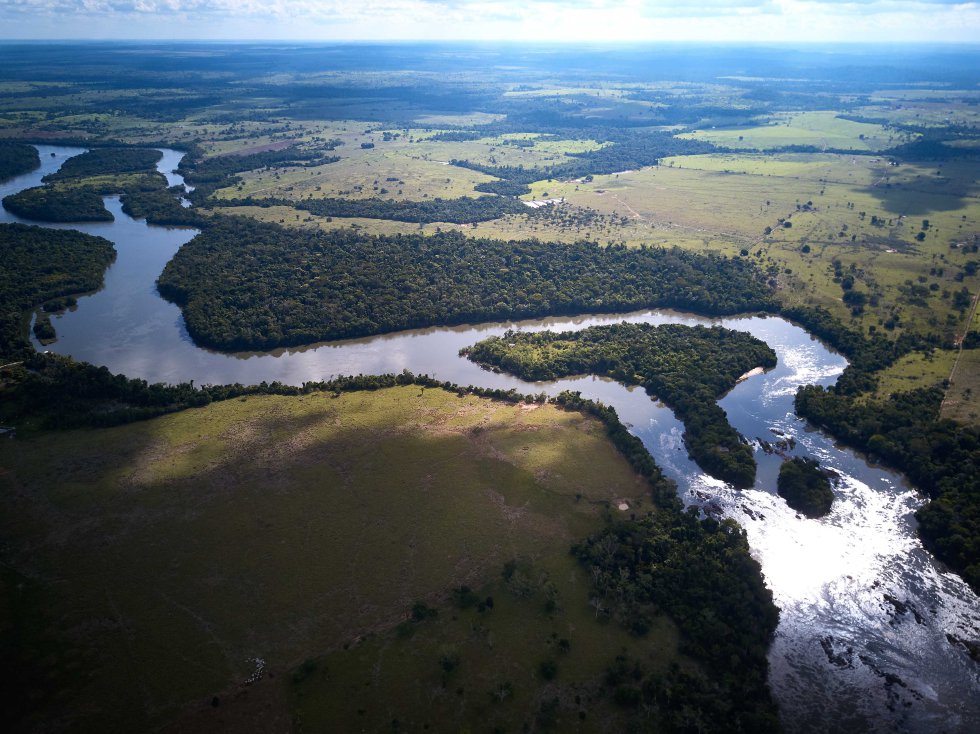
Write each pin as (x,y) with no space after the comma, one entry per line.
(519,20)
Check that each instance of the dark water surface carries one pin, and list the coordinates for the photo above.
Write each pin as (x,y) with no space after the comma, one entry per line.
(845,658)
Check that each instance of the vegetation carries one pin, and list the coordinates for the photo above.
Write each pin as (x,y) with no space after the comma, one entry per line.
(209,174)
(552,464)
(245,286)
(629,150)
(859,221)
(41,265)
(16,159)
(47,204)
(103,161)
(805,487)
(643,567)
(939,456)
(464,210)
(688,368)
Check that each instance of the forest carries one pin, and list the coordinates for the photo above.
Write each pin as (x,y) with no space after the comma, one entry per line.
(16,159)
(805,487)
(39,265)
(48,204)
(463,210)
(645,566)
(106,161)
(628,150)
(244,285)
(689,368)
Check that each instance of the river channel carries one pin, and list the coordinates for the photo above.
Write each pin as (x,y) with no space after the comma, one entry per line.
(862,643)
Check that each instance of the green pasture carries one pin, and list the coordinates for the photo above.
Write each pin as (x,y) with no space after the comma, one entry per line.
(822,129)
(168,554)
(477,670)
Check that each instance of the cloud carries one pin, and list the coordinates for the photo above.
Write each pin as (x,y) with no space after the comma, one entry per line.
(520,20)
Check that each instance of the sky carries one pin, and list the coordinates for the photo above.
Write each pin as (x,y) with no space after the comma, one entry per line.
(768,21)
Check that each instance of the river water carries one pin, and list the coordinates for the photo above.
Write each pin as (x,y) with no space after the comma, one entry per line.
(862,642)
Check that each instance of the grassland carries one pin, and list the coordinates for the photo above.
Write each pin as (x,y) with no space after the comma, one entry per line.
(823,129)
(165,557)
(403,164)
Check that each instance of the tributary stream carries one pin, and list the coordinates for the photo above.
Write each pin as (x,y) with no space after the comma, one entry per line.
(862,643)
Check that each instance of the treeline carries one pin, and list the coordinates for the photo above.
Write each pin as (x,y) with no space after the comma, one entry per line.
(105,162)
(41,264)
(464,210)
(805,487)
(17,159)
(49,204)
(210,174)
(689,368)
(246,285)
(628,150)
(866,355)
(53,392)
(941,457)
(663,489)
(701,574)
(932,150)
(159,205)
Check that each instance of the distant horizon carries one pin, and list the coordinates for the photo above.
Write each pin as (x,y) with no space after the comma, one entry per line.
(507,42)
(944,22)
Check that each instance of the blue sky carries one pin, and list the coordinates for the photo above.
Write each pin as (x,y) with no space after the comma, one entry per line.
(769,21)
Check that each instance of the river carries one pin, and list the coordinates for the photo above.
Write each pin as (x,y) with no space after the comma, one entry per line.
(865,612)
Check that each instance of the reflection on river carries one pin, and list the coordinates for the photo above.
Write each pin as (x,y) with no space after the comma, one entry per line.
(861,644)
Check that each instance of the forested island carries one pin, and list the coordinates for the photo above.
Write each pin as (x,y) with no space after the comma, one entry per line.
(805,487)
(48,204)
(688,368)
(106,162)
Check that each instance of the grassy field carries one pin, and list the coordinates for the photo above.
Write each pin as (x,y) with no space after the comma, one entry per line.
(163,558)
(822,129)
(402,164)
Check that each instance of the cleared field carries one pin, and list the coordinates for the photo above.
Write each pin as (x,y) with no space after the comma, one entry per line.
(822,129)
(474,118)
(361,174)
(402,165)
(916,370)
(149,566)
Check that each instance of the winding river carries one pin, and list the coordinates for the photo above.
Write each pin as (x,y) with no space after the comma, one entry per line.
(862,643)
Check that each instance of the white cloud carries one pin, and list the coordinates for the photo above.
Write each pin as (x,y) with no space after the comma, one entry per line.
(520,20)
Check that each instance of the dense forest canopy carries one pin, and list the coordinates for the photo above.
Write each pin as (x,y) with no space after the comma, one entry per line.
(643,566)
(244,285)
(103,161)
(49,204)
(805,487)
(688,368)
(463,210)
(17,158)
(41,264)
